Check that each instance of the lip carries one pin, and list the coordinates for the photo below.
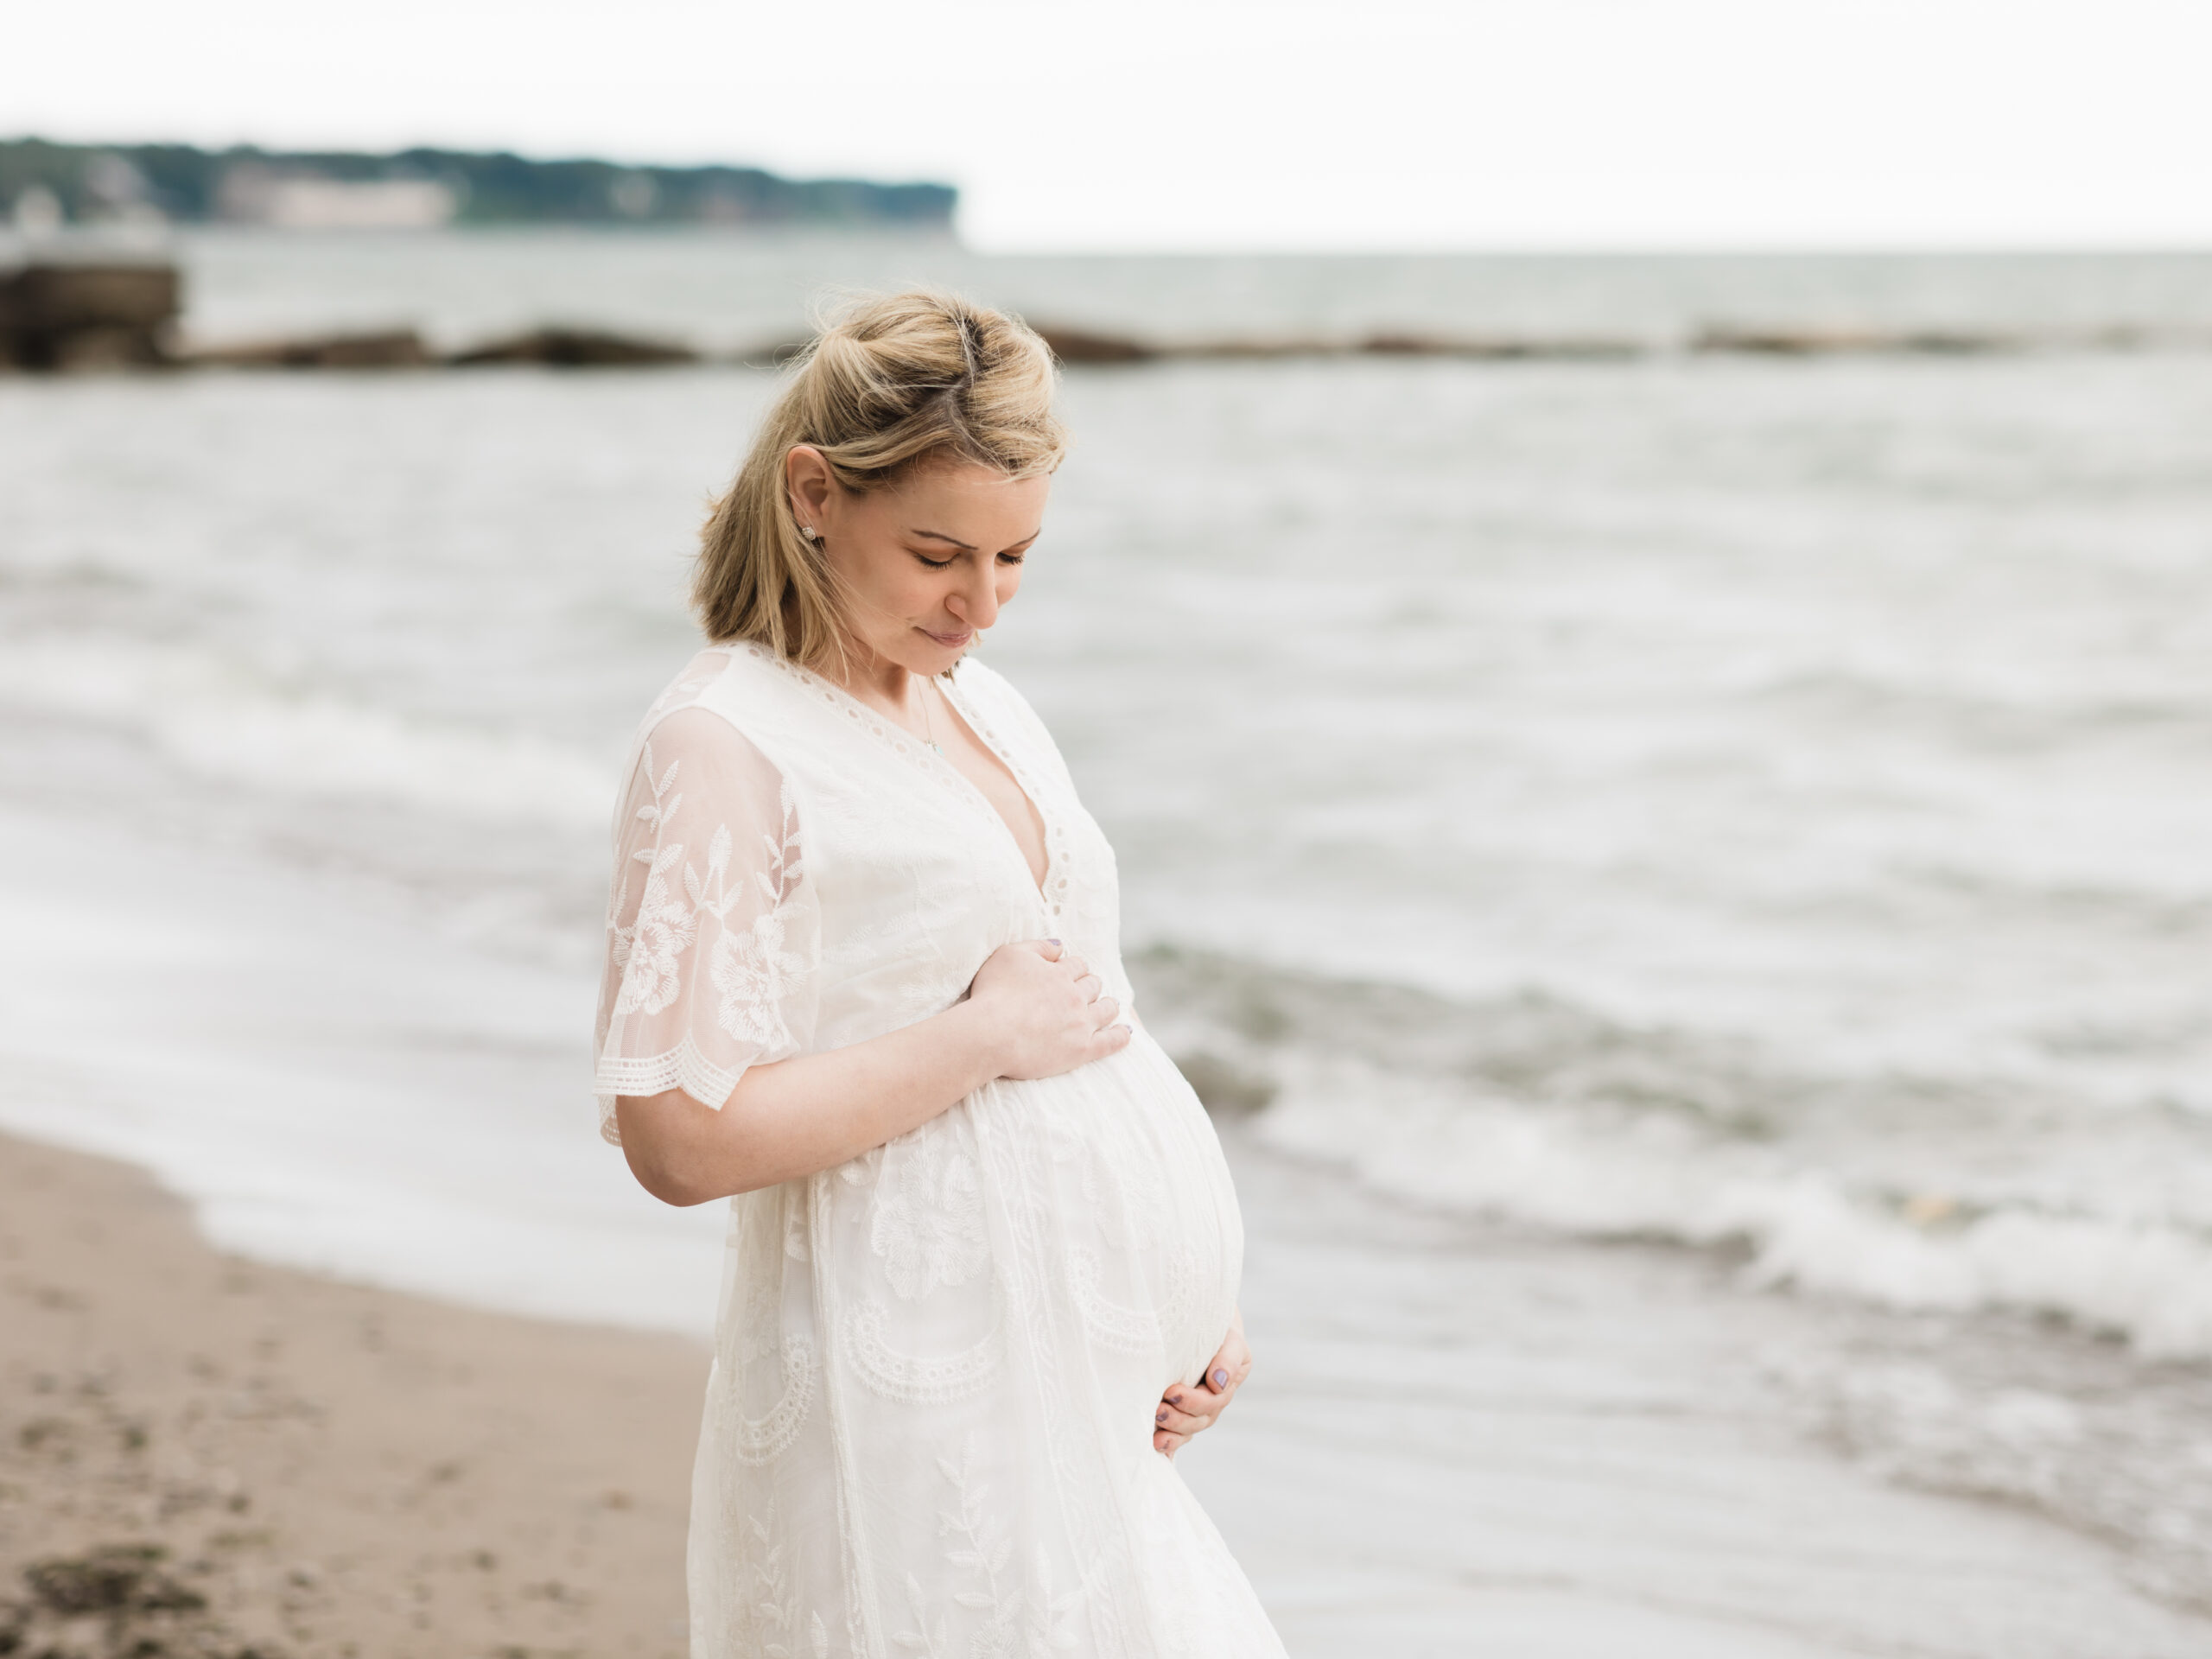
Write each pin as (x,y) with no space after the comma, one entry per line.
(951,641)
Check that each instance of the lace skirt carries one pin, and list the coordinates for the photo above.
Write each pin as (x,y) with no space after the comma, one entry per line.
(929,1428)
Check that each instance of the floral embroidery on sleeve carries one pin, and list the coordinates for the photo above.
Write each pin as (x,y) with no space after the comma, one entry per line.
(752,969)
(647,950)
(750,962)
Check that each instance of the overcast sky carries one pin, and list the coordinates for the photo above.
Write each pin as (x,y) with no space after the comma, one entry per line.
(1218,123)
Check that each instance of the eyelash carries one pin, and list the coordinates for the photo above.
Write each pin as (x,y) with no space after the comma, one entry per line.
(943,564)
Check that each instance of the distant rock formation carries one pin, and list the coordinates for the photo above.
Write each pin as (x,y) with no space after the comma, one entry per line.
(1083,345)
(70,317)
(1832,342)
(1074,346)
(394,348)
(1496,348)
(575,348)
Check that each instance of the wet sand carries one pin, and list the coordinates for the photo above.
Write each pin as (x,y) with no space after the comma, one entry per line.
(333,1470)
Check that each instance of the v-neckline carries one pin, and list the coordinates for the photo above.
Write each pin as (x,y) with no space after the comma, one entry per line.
(931,759)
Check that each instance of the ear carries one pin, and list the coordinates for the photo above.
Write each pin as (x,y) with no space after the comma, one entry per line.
(808,479)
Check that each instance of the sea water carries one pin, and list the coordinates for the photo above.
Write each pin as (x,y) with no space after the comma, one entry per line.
(1756,806)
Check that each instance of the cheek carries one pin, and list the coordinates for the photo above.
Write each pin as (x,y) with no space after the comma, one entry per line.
(896,586)
(1008,583)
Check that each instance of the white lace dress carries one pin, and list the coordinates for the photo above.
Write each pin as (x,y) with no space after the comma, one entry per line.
(929,1426)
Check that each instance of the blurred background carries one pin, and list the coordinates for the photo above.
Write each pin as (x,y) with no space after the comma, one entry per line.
(1631,594)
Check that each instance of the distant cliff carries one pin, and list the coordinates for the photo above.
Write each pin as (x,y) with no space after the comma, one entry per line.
(42,182)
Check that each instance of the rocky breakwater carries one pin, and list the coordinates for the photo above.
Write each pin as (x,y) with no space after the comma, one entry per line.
(1086,346)
(57,318)
(63,317)
(404,348)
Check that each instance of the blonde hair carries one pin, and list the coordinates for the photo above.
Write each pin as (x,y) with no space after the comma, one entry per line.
(892,383)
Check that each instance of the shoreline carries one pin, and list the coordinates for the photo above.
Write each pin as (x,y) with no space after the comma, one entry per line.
(335,1470)
(1460,1434)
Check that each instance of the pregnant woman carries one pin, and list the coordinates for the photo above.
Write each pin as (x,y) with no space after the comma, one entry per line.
(864,974)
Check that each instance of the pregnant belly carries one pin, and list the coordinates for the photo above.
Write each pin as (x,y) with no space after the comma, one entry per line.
(1077,1234)
(1137,1205)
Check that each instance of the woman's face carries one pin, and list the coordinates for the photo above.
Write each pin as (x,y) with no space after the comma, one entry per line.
(922,568)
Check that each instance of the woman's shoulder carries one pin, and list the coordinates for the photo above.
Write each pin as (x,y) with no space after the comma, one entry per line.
(693,681)
(726,710)
(747,685)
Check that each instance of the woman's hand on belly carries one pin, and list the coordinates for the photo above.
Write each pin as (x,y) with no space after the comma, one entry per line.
(1042,1005)
(1184,1410)
(1034,1011)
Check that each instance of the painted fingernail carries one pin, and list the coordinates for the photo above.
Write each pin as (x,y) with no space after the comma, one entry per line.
(1051,942)
(1161,1415)
(1221,1379)
(1175,1399)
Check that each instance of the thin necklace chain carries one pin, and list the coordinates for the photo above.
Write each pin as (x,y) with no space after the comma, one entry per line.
(929,726)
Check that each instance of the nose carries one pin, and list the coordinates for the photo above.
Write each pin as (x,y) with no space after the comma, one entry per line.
(976,603)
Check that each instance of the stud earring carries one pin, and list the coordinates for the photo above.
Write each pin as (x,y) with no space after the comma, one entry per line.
(810,532)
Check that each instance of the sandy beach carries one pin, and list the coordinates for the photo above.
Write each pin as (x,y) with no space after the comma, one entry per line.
(333,1470)
(1450,1448)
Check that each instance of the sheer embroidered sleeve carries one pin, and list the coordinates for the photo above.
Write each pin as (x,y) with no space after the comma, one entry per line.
(712,934)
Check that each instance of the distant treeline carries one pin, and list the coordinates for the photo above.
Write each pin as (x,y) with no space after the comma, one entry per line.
(182,182)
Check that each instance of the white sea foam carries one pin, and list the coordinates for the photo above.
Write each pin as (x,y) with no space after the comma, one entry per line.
(220,721)
(1653,1177)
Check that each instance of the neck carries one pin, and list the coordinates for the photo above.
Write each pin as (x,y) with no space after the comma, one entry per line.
(875,679)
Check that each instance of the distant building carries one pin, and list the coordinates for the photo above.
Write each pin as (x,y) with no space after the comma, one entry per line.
(37,212)
(252,194)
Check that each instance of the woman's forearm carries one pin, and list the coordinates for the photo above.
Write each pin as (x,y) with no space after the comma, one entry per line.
(796,1117)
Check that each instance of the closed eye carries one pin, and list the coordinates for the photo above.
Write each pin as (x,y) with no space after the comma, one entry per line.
(1011,557)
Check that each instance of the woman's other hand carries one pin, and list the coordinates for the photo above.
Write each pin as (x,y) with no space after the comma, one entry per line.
(1185,1409)
(1042,1005)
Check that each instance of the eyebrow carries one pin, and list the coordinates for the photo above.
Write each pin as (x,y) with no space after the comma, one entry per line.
(966,547)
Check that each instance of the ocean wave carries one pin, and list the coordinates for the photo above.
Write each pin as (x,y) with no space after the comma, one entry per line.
(1803,1229)
(1531,1111)
(220,721)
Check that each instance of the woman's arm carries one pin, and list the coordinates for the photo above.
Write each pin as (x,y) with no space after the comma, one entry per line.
(1034,1011)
